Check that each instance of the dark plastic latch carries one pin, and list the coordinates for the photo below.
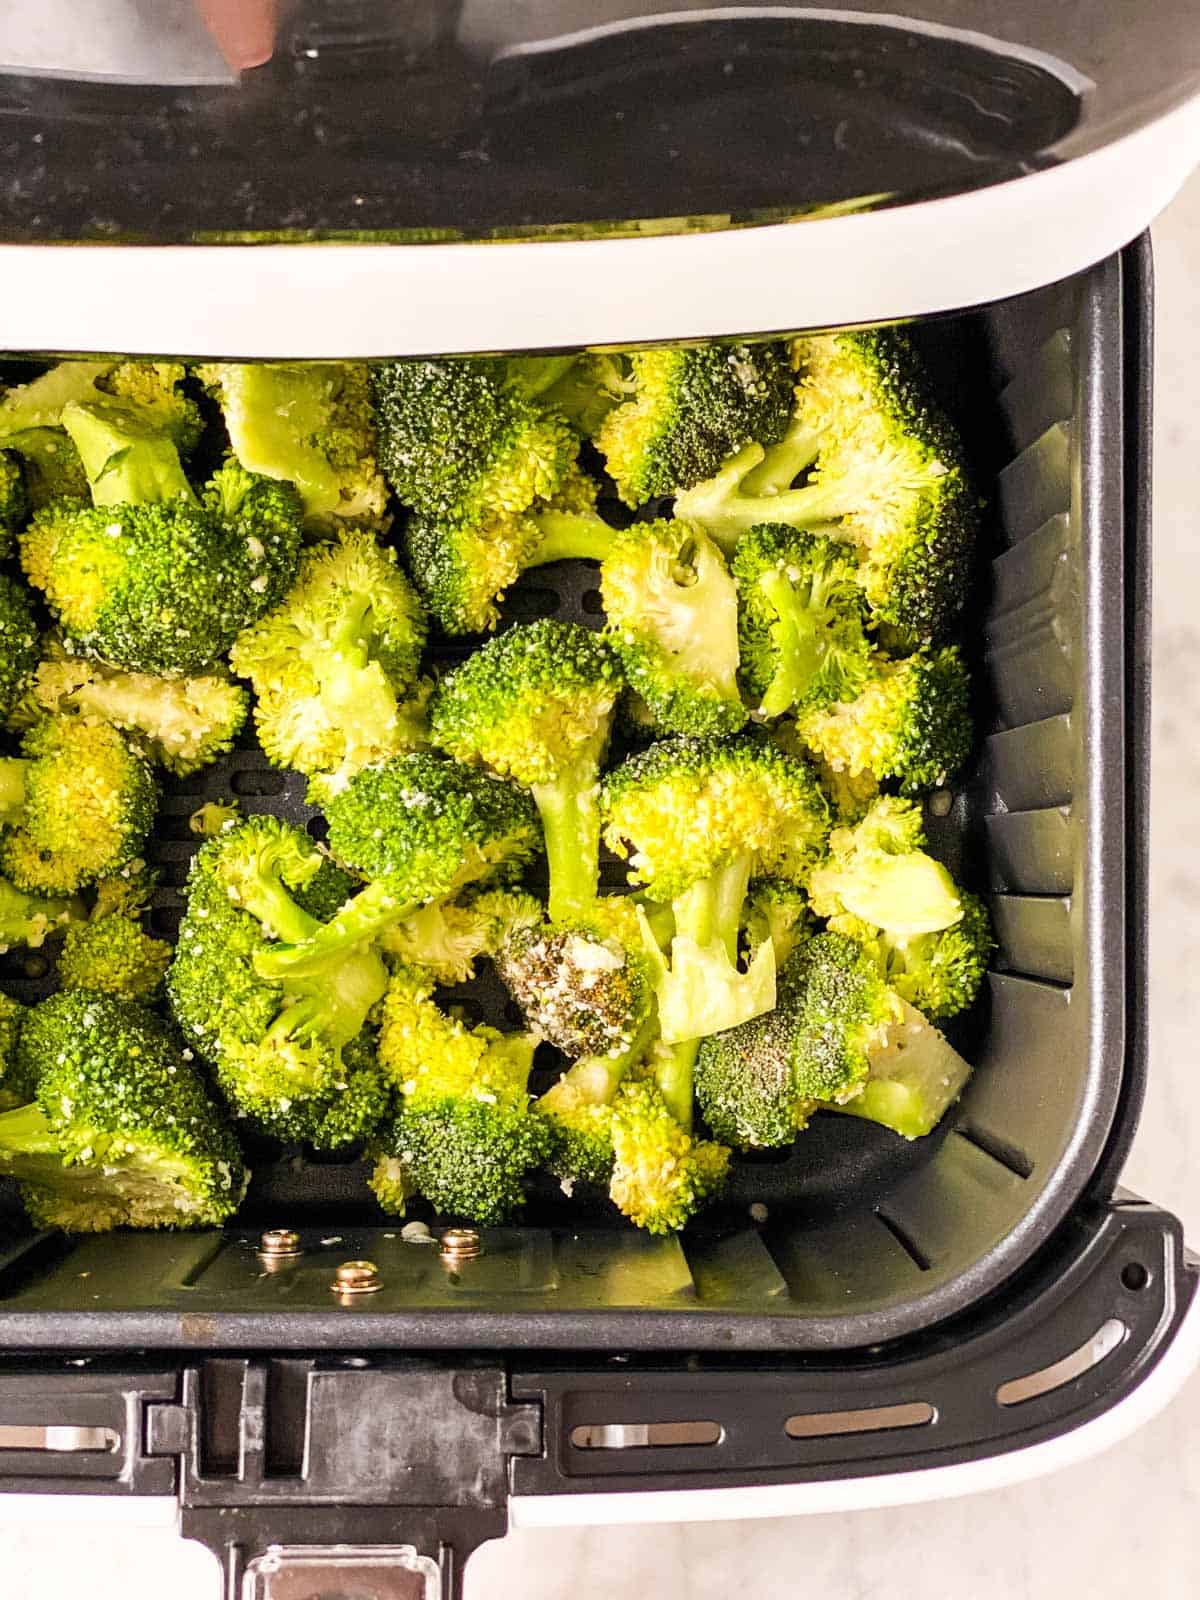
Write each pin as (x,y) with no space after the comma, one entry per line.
(304,1475)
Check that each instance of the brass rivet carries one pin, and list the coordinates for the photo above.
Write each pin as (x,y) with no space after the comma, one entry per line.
(460,1244)
(356,1277)
(277,1242)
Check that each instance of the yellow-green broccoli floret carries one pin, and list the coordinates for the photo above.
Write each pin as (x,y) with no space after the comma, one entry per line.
(121,1132)
(465,1134)
(30,919)
(673,620)
(662,1174)
(113,955)
(878,871)
(687,410)
(311,424)
(333,664)
(14,500)
(75,806)
(155,389)
(536,705)
(779,911)
(939,972)
(15,1087)
(18,642)
(447,938)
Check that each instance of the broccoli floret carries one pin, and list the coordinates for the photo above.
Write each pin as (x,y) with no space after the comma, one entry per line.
(886,473)
(800,622)
(121,1133)
(14,501)
(309,423)
(697,817)
(29,919)
(332,664)
(744,1081)
(181,724)
(687,410)
(126,893)
(154,389)
(938,972)
(584,388)
(776,910)
(464,565)
(51,468)
(214,816)
(460,441)
(76,805)
(536,705)
(18,642)
(111,954)
(577,1110)
(146,577)
(465,1134)
(295,1056)
(39,403)
(448,937)
(584,986)
(16,1088)
(419,829)
(877,871)
(910,722)
(662,1174)
(915,1076)
(673,620)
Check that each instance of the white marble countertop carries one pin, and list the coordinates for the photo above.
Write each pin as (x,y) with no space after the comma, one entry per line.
(1124,1523)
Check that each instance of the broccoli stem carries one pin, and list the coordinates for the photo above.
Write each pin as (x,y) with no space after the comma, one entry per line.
(359,921)
(726,510)
(126,462)
(571,536)
(711,909)
(799,642)
(570,812)
(25,1143)
(674,1071)
(783,462)
(268,901)
(12,788)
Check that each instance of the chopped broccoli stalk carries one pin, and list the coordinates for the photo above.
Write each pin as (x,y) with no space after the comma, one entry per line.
(309,423)
(39,403)
(75,806)
(154,388)
(18,642)
(877,871)
(673,620)
(121,1133)
(915,1076)
(128,458)
(536,705)
(112,955)
(687,410)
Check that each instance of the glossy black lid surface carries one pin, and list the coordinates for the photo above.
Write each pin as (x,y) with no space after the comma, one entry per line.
(415,119)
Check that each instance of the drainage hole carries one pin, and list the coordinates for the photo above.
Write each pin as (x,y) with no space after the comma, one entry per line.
(1134,1276)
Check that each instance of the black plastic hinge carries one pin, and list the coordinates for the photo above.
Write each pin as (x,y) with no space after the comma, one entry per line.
(352,1457)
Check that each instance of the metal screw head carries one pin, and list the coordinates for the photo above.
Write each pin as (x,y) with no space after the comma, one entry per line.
(460,1244)
(278,1242)
(356,1277)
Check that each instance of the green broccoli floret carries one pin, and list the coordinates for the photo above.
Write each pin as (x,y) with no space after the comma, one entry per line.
(121,1133)
(585,986)
(687,410)
(51,468)
(886,474)
(419,829)
(111,954)
(16,1088)
(154,389)
(295,1056)
(536,705)
(14,501)
(777,910)
(938,972)
(18,642)
(466,1134)
(697,818)
(31,427)
(673,620)
(146,577)
(76,805)
(332,664)
(583,388)
(577,1110)
(909,722)
(877,871)
(662,1174)
(448,937)
(181,724)
(800,621)
(309,423)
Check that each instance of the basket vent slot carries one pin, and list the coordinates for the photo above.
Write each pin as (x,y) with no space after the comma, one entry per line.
(875,1419)
(1107,1338)
(644,1435)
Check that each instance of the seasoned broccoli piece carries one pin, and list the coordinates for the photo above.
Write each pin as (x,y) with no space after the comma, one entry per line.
(331,666)
(14,501)
(146,577)
(698,817)
(295,1056)
(16,1087)
(181,724)
(309,423)
(673,621)
(915,1076)
(877,871)
(154,389)
(910,722)
(419,829)
(121,1132)
(584,986)
(687,410)
(110,954)
(776,910)
(662,1174)
(800,620)
(464,564)
(461,441)
(536,705)
(577,1110)
(29,919)
(18,642)
(447,938)
(465,1134)
(886,473)
(76,805)
(938,972)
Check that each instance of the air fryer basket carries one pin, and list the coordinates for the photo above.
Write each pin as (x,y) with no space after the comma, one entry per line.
(865,1238)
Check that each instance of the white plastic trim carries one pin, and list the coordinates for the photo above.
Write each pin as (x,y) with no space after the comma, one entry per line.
(1161,1385)
(361,300)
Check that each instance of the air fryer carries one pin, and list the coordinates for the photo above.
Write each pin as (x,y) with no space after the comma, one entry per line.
(860,1314)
